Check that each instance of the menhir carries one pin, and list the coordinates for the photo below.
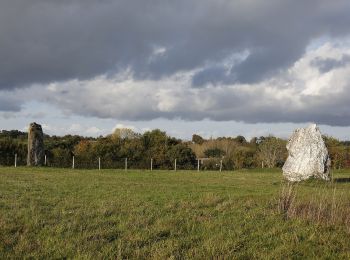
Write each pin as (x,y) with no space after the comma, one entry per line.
(36,151)
(307,155)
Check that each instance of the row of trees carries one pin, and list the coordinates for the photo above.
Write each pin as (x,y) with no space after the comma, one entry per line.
(112,149)
(237,153)
(230,152)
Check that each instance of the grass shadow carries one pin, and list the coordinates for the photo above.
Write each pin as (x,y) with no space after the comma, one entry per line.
(341,180)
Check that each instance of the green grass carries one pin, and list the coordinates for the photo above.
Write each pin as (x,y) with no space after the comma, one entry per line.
(62,213)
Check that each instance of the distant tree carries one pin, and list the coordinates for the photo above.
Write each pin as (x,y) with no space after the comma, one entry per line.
(338,152)
(260,139)
(243,157)
(133,149)
(240,139)
(8,148)
(212,164)
(67,142)
(214,153)
(272,151)
(156,144)
(13,134)
(347,157)
(124,133)
(240,157)
(59,157)
(84,149)
(185,157)
(197,139)
(254,141)
(345,143)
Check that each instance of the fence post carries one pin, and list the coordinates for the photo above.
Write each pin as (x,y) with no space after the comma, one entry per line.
(73,163)
(151,164)
(198,165)
(175,164)
(220,165)
(262,164)
(45,160)
(99,163)
(126,164)
(15,160)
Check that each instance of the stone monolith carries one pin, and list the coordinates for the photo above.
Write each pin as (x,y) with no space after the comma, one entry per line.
(36,151)
(307,155)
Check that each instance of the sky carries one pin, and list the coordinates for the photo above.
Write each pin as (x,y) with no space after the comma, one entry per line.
(215,68)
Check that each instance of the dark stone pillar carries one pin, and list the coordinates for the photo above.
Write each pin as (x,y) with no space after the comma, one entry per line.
(36,151)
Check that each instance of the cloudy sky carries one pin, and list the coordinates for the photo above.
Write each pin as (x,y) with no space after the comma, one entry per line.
(223,67)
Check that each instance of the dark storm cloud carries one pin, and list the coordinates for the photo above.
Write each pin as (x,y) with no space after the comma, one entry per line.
(213,75)
(328,64)
(9,104)
(43,41)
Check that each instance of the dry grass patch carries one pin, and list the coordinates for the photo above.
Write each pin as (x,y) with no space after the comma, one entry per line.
(326,205)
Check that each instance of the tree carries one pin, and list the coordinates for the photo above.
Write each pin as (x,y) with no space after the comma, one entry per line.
(156,144)
(197,139)
(124,133)
(185,157)
(13,134)
(59,157)
(254,141)
(272,151)
(83,148)
(240,157)
(214,153)
(337,152)
(240,139)
(243,157)
(8,148)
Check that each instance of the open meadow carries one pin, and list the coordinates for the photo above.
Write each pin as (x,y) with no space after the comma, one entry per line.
(64,213)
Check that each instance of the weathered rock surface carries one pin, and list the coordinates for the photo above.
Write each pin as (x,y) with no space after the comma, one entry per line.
(307,155)
(36,151)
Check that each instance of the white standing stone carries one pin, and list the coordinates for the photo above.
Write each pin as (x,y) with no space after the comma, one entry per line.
(307,155)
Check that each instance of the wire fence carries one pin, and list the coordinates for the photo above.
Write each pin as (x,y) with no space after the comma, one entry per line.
(79,162)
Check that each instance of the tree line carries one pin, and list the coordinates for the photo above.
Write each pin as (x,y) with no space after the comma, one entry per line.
(139,149)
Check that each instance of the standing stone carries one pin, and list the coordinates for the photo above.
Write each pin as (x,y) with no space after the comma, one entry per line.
(36,152)
(307,155)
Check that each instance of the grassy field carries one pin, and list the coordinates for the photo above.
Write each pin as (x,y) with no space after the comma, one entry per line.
(62,213)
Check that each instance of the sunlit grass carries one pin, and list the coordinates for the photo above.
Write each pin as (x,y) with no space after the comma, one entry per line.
(58,213)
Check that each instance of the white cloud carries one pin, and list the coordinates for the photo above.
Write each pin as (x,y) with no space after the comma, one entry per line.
(75,128)
(301,93)
(46,127)
(72,129)
(93,131)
